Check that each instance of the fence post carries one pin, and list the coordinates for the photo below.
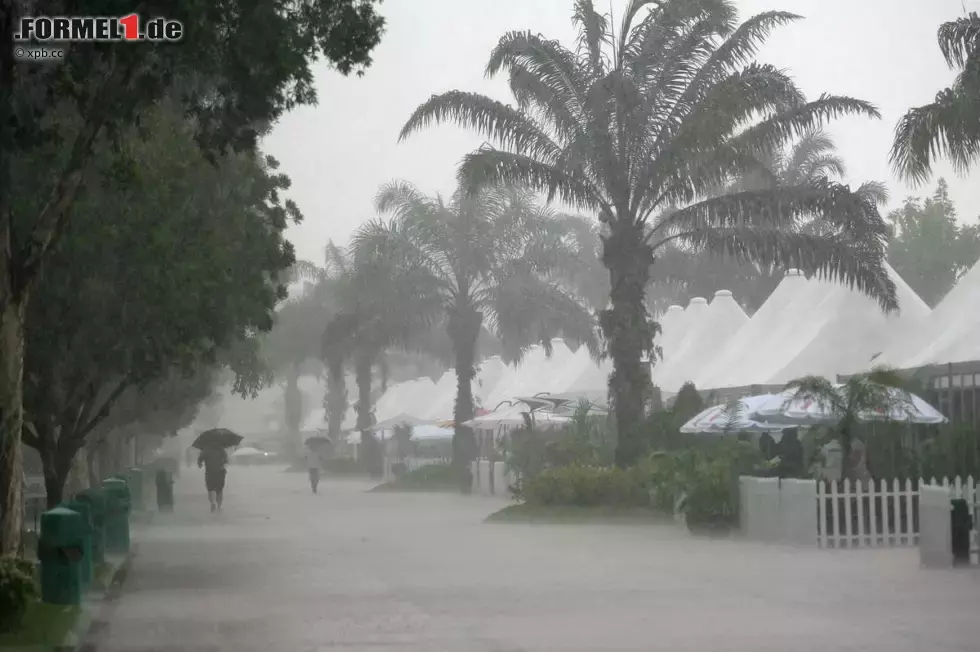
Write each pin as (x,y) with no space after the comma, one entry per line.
(935,532)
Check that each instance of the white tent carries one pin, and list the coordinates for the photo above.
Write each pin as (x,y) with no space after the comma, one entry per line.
(671,324)
(538,377)
(576,365)
(756,351)
(443,398)
(492,370)
(721,319)
(515,376)
(680,325)
(848,329)
(951,332)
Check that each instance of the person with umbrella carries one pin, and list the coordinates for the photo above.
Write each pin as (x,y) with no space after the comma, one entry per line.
(214,459)
(314,459)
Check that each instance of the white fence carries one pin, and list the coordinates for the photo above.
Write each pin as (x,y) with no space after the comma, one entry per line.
(839,515)
(491,478)
(877,513)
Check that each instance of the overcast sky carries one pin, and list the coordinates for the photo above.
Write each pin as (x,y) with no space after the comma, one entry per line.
(339,152)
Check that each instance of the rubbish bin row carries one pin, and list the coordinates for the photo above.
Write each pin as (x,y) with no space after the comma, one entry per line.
(77,536)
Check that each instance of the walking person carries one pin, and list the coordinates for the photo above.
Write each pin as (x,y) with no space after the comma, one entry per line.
(214,461)
(313,464)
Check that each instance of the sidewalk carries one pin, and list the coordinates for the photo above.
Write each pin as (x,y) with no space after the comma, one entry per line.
(283,570)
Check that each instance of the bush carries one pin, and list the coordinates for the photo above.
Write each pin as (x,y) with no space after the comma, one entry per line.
(587,486)
(17,590)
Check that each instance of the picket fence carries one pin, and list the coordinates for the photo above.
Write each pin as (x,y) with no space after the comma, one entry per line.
(878,513)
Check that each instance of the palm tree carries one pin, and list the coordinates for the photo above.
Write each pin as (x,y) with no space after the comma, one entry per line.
(490,259)
(871,391)
(642,127)
(384,302)
(950,126)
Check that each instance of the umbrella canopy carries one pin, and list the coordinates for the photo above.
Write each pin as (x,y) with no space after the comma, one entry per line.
(514,416)
(402,418)
(784,408)
(545,401)
(248,451)
(729,418)
(217,438)
(317,441)
(431,433)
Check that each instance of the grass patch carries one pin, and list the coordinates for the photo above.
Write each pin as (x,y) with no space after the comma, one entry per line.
(434,477)
(571,514)
(44,624)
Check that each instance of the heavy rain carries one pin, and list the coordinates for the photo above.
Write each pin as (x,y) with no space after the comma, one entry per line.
(554,325)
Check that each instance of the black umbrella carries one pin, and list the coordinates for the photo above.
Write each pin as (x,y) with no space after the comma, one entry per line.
(318,440)
(217,438)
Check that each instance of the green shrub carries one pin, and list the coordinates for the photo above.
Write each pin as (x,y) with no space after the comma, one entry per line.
(432,477)
(17,590)
(587,486)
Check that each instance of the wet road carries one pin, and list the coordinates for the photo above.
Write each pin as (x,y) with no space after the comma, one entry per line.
(283,570)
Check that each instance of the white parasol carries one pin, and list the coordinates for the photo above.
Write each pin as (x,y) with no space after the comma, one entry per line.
(905,406)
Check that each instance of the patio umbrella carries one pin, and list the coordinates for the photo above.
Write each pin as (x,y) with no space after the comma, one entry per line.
(217,438)
(402,418)
(317,441)
(545,402)
(732,418)
(905,406)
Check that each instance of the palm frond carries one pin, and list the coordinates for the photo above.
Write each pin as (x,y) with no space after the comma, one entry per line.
(493,167)
(503,125)
(959,40)
(593,29)
(947,128)
(819,390)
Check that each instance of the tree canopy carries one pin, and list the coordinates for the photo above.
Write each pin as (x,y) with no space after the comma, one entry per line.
(167,263)
(929,248)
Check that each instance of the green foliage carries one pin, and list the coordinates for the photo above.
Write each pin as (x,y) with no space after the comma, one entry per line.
(587,486)
(586,440)
(17,590)
(954,451)
(929,249)
(177,261)
(402,437)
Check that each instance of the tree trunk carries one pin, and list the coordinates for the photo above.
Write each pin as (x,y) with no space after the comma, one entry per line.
(464,330)
(336,398)
(11,420)
(846,450)
(92,463)
(629,334)
(370,448)
(12,310)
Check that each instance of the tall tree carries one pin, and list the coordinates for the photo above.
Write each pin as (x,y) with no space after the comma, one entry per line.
(642,127)
(239,66)
(384,302)
(949,127)
(494,259)
(177,254)
(929,249)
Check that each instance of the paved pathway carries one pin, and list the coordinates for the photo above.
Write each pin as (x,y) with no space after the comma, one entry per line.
(282,570)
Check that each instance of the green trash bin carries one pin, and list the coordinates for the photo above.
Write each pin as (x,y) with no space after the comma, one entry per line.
(95,498)
(117,509)
(134,480)
(84,510)
(59,549)
(165,491)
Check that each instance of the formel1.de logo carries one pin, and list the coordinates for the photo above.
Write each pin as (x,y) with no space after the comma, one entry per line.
(82,29)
